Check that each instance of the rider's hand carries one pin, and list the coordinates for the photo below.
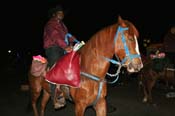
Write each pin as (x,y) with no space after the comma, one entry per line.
(72,38)
(68,49)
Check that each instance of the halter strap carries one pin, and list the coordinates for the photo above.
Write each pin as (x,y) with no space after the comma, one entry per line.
(128,54)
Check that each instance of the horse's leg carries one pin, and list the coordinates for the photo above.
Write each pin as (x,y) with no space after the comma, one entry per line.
(151,84)
(153,76)
(35,96)
(145,92)
(147,85)
(100,107)
(142,86)
(44,101)
(35,88)
(80,109)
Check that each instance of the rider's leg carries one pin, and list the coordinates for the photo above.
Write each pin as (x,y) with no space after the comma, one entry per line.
(59,99)
(53,54)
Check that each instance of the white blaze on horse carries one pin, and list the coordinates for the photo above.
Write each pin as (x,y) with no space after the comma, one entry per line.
(119,39)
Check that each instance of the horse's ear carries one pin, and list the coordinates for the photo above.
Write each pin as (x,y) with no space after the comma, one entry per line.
(121,21)
(119,18)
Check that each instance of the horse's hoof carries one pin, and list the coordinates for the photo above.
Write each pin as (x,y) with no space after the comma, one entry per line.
(145,100)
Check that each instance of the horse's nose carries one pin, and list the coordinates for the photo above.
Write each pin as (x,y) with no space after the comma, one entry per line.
(141,65)
(136,67)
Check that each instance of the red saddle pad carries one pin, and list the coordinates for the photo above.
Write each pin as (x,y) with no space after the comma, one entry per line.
(66,70)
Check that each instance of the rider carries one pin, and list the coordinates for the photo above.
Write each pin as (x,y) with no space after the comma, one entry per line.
(55,47)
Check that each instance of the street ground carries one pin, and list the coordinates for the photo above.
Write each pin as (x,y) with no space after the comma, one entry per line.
(124,95)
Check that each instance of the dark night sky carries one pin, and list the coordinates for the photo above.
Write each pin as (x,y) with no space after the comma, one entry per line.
(24,20)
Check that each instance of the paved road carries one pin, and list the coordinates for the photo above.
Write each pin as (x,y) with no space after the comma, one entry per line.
(125,97)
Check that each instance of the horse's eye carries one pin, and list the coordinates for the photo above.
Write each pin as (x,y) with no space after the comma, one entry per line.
(131,39)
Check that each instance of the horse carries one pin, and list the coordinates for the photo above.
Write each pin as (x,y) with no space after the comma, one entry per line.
(119,39)
(154,70)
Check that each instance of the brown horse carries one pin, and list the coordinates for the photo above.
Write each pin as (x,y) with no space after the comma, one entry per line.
(152,71)
(119,39)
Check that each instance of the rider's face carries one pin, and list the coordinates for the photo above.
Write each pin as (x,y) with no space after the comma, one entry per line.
(59,15)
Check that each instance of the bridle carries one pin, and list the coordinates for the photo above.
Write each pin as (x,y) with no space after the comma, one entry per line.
(128,55)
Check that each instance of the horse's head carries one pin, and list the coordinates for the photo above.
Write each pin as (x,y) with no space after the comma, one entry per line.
(126,45)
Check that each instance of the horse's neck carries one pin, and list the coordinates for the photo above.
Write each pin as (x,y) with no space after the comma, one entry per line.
(94,57)
(104,50)
(97,48)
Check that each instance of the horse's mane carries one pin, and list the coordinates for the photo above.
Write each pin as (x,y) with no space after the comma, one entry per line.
(101,37)
(109,32)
